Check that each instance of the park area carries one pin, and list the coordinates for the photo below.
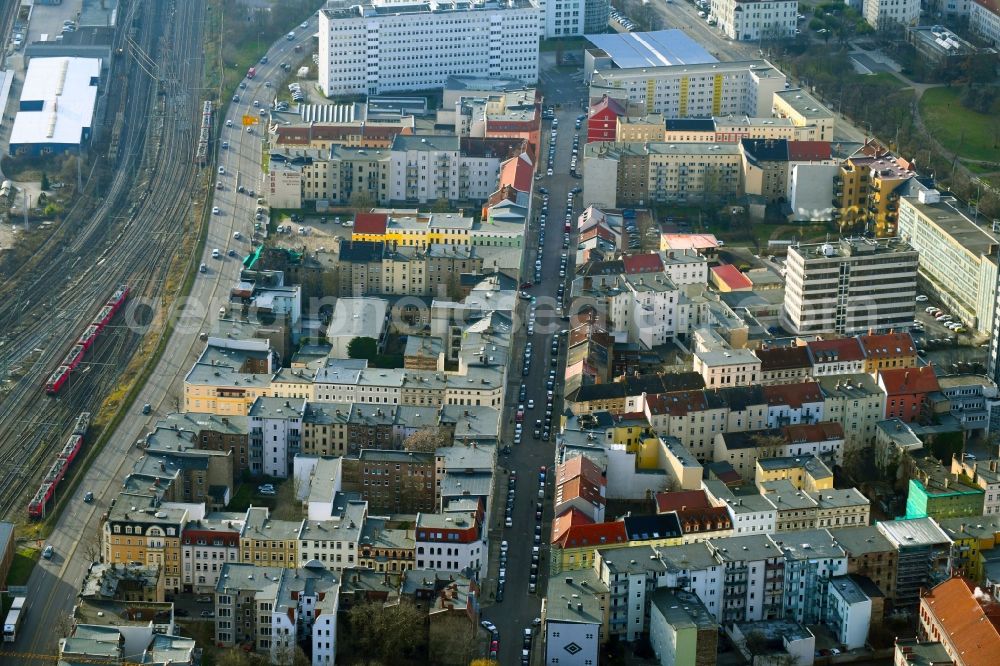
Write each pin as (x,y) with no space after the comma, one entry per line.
(971,135)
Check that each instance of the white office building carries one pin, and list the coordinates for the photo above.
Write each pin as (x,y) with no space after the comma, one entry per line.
(751,20)
(850,287)
(892,14)
(381,46)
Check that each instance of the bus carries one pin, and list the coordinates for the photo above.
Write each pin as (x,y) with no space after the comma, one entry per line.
(14,618)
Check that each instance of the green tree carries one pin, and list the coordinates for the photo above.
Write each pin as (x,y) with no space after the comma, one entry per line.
(45,181)
(362,347)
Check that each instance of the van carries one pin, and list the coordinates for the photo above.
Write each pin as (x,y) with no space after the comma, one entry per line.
(222,311)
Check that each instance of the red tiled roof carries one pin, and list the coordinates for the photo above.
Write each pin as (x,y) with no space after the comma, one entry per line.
(888,345)
(370,223)
(607,104)
(783,358)
(966,626)
(578,486)
(568,519)
(597,534)
(793,395)
(812,432)
(578,466)
(836,349)
(807,151)
(704,519)
(677,403)
(516,172)
(682,499)
(642,263)
(901,381)
(732,277)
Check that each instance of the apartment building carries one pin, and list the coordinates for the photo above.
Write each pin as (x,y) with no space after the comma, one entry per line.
(783,365)
(907,392)
(636,174)
(206,546)
(923,557)
(333,541)
(275,435)
(725,368)
(856,402)
(754,20)
(824,440)
(891,15)
(867,189)
(952,614)
(397,481)
(888,350)
(810,562)
(703,89)
(984,20)
(375,48)
(805,113)
(212,433)
(958,257)
(856,285)
(453,541)
(936,492)
(140,529)
(229,376)
(266,542)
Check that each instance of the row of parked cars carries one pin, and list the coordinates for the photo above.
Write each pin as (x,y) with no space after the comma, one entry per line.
(946,319)
(622,20)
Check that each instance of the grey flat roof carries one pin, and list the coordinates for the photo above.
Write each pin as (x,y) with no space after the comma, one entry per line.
(652,49)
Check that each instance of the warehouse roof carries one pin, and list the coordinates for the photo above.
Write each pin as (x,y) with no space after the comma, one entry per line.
(652,49)
(57,101)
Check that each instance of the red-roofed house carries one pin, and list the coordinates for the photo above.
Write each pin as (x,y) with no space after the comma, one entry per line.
(808,151)
(701,523)
(575,547)
(642,263)
(681,500)
(369,226)
(602,121)
(839,356)
(516,172)
(888,350)
(907,391)
(951,614)
(793,403)
(581,485)
(568,519)
(729,278)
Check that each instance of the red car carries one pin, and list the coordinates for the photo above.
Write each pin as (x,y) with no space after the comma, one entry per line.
(542,469)
(494,646)
(527,285)
(519,417)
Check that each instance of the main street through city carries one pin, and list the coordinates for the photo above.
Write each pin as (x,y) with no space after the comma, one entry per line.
(54,584)
(519,607)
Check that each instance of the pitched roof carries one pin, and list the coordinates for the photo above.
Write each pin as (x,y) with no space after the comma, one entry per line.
(732,277)
(704,519)
(682,499)
(690,241)
(783,358)
(813,432)
(966,625)
(580,466)
(835,350)
(643,263)
(516,172)
(888,345)
(676,403)
(568,519)
(370,223)
(808,151)
(771,150)
(650,527)
(596,534)
(579,487)
(607,104)
(897,381)
(793,395)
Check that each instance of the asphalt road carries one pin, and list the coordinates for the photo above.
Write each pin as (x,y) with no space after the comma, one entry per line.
(519,607)
(54,584)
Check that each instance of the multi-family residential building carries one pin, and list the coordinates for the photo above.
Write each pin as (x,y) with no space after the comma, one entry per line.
(275,435)
(836,356)
(140,529)
(206,546)
(984,20)
(805,112)
(853,286)
(824,440)
(867,189)
(958,257)
(869,554)
(698,89)
(377,47)
(952,614)
(907,392)
(453,541)
(386,549)
(268,542)
(682,630)
(788,404)
(754,20)
(333,541)
(891,15)
(783,365)
(575,613)
(856,402)
(806,473)
(398,481)
(228,376)
(888,350)
(726,368)
(212,433)
(811,561)
(923,557)
(937,492)
(986,475)
(751,513)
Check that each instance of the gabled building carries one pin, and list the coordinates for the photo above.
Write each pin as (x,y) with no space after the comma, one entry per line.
(953,615)
(907,392)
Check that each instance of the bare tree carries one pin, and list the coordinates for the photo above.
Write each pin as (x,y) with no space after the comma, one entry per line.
(428,440)
(387,633)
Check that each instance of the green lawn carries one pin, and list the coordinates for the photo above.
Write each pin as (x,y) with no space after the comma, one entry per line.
(887,80)
(246,495)
(24,561)
(971,135)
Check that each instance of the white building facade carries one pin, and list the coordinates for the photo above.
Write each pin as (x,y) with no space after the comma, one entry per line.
(756,19)
(383,46)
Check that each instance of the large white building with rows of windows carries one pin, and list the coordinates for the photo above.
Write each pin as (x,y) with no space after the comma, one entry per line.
(381,46)
(756,19)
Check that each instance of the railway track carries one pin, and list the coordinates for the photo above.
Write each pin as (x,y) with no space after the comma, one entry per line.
(128,237)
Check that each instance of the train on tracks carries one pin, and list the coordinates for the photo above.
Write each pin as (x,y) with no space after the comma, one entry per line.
(40,502)
(74,357)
